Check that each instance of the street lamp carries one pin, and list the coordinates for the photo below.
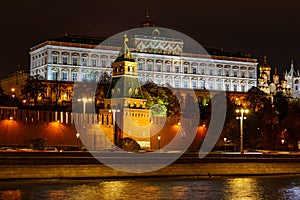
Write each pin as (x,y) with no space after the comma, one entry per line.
(158,139)
(84,101)
(241,118)
(225,140)
(13,92)
(113,111)
(77,136)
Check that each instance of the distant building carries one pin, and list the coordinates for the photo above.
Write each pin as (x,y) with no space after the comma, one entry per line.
(293,81)
(160,58)
(13,83)
(288,86)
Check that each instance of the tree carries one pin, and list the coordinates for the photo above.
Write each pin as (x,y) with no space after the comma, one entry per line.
(1,91)
(102,89)
(34,89)
(291,123)
(161,100)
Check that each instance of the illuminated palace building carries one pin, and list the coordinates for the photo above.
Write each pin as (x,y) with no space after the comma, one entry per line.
(161,58)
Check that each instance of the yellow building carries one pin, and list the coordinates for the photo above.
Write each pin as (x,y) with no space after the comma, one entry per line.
(13,83)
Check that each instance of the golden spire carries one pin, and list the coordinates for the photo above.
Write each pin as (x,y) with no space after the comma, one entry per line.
(265,59)
(126,52)
(147,14)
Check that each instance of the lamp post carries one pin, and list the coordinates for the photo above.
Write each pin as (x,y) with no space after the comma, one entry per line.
(113,111)
(225,140)
(241,118)
(158,139)
(77,137)
(84,100)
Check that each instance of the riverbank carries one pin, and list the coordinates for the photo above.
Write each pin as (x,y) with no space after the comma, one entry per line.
(84,166)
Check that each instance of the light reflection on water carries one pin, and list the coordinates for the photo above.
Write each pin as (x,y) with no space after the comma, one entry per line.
(246,188)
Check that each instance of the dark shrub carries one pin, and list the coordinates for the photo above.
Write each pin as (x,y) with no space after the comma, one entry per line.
(38,144)
(128,144)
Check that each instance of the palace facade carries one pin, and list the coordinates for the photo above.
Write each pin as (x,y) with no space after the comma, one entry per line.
(161,57)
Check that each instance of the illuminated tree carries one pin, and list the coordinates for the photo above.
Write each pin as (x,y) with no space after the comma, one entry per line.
(161,100)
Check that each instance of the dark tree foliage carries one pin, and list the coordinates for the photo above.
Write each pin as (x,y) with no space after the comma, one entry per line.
(38,144)
(1,91)
(281,106)
(102,89)
(128,144)
(291,123)
(34,88)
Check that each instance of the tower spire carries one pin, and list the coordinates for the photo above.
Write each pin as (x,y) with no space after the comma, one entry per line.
(147,14)
(265,59)
(125,53)
(147,22)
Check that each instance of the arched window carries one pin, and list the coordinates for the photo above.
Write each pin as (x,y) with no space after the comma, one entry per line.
(168,67)
(64,75)
(194,83)
(168,80)
(55,58)
(84,60)
(158,66)
(65,57)
(54,74)
(159,80)
(150,65)
(202,84)
(185,83)
(177,82)
(141,65)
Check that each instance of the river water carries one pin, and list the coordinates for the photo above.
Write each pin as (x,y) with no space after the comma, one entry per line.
(231,188)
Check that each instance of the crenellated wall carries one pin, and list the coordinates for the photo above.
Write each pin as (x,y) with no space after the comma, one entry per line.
(18,127)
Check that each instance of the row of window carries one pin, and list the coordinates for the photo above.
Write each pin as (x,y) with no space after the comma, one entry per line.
(219,71)
(194,84)
(85,61)
(74,76)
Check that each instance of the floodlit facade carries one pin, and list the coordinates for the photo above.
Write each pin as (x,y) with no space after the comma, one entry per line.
(161,59)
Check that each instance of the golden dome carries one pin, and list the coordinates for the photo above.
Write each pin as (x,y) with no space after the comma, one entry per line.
(265,66)
(260,79)
(275,74)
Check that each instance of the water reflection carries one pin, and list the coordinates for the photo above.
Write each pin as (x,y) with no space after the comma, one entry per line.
(11,194)
(242,188)
(248,188)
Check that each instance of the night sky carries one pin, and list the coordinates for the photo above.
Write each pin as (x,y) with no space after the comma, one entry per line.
(258,27)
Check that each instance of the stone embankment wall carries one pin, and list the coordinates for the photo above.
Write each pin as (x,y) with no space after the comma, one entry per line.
(174,170)
(88,167)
